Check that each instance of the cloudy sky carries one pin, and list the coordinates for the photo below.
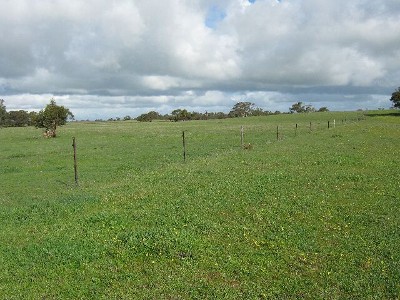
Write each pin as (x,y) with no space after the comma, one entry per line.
(109,58)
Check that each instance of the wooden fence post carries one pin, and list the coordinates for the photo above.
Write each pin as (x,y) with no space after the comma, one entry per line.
(184,146)
(277,133)
(75,160)
(241,136)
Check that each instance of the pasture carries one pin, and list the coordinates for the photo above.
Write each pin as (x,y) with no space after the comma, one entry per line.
(314,214)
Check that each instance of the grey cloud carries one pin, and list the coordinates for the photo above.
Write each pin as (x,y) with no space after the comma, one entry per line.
(162,54)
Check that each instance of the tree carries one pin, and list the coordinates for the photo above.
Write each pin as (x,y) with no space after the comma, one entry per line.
(181,115)
(242,109)
(396,98)
(3,113)
(300,108)
(309,108)
(148,117)
(52,116)
(323,109)
(32,117)
(297,107)
(259,112)
(18,118)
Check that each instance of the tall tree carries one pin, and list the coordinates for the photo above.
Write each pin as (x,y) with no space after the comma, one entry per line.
(300,108)
(242,109)
(180,115)
(18,118)
(3,113)
(297,107)
(396,98)
(148,117)
(51,117)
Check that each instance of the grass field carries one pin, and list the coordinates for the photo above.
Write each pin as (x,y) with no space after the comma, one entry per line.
(315,215)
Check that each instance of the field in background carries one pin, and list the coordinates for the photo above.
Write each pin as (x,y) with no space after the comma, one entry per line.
(313,215)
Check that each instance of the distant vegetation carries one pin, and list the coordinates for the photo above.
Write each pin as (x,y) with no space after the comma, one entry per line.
(48,118)
(299,107)
(23,118)
(396,98)
(240,109)
(18,118)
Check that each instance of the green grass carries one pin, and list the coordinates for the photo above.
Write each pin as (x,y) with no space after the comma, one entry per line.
(314,215)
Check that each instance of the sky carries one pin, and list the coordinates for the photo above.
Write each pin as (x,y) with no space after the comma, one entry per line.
(109,58)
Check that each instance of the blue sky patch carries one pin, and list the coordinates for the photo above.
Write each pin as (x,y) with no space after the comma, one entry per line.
(215,15)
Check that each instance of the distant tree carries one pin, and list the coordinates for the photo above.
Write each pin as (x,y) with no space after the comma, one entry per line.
(150,116)
(242,109)
(258,112)
(396,98)
(309,108)
(297,108)
(214,115)
(18,118)
(197,116)
(300,108)
(51,117)
(32,117)
(323,109)
(180,115)
(3,113)
(127,118)
(220,115)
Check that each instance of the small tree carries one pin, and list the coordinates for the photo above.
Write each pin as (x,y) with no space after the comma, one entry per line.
(396,98)
(52,116)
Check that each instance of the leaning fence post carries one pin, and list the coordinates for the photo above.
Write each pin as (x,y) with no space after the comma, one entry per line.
(75,160)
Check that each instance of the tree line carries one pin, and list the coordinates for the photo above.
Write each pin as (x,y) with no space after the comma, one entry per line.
(53,115)
(240,109)
(16,118)
(48,118)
